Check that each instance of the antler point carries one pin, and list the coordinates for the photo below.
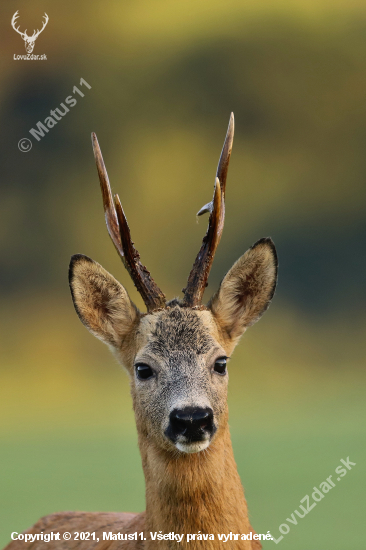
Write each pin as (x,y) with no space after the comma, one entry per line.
(197,280)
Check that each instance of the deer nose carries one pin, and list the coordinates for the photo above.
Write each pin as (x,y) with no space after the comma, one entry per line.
(194,423)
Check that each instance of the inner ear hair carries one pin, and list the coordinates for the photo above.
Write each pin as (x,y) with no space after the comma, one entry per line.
(247,289)
(100,301)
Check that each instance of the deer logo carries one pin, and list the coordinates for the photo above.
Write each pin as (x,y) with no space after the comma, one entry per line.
(28,40)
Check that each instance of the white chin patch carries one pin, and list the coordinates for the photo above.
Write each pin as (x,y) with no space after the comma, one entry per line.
(194,447)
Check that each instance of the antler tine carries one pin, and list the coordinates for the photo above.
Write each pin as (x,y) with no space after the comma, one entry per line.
(109,210)
(223,166)
(13,21)
(150,292)
(38,32)
(121,237)
(197,280)
(14,18)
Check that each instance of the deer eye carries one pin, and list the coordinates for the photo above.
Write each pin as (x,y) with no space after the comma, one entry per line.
(220,365)
(143,372)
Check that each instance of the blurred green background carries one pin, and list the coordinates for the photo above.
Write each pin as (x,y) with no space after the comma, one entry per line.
(164,78)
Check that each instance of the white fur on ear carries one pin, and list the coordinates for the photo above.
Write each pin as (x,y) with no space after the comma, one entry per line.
(247,289)
(100,301)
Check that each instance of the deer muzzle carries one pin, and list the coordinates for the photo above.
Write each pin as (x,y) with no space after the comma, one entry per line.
(191,428)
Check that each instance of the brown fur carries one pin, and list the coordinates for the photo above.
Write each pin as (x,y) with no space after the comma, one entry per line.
(186,491)
(101,302)
(247,289)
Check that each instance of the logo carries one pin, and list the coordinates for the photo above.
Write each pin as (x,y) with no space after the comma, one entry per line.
(28,40)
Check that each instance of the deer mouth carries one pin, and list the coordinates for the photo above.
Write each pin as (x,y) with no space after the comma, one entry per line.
(194,447)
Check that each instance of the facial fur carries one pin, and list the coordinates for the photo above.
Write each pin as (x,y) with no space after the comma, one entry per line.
(179,345)
(181,405)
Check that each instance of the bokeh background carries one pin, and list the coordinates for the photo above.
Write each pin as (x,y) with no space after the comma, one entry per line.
(164,77)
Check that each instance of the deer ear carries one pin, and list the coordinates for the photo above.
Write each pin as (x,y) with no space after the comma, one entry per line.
(100,301)
(246,290)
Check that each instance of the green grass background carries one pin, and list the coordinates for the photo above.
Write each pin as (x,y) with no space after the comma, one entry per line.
(102,471)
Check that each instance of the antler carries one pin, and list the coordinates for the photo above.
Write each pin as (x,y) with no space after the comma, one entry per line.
(14,18)
(197,280)
(35,35)
(121,237)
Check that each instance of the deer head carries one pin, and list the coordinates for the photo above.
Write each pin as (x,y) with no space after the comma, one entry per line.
(29,40)
(176,352)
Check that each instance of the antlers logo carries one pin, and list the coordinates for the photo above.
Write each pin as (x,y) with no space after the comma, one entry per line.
(29,40)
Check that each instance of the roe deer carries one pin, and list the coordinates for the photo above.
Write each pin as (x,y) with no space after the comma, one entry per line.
(175,356)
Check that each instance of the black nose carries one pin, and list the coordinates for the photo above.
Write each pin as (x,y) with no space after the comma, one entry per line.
(191,422)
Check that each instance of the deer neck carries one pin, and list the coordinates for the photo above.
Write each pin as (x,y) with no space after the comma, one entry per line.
(193,493)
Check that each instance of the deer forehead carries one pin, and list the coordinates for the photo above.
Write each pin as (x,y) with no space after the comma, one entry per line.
(178,332)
